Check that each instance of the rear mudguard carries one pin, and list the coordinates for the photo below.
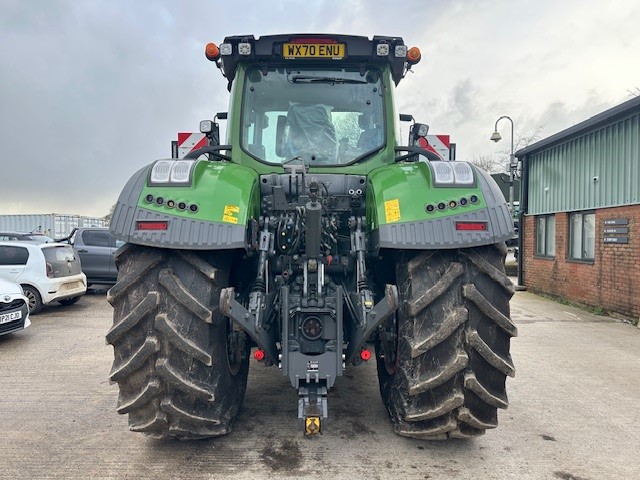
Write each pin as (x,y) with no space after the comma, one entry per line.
(210,213)
(406,210)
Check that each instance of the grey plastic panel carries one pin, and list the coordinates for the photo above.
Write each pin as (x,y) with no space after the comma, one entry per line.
(442,233)
(183,233)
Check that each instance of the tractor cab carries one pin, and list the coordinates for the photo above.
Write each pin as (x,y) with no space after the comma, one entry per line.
(323,100)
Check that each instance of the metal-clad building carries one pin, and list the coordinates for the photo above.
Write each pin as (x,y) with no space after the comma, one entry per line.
(55,225)
(580,204)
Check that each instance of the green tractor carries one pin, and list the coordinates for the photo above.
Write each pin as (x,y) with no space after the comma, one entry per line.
(311,237)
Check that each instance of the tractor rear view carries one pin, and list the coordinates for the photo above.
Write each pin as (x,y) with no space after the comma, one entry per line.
(311,235)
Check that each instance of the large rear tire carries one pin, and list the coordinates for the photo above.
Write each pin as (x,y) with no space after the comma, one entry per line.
(180,366)
(445,375)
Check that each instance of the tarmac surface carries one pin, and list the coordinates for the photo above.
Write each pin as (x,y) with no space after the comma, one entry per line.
(573,412)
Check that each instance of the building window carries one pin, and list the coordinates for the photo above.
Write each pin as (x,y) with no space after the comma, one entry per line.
(546,236)
(582,236)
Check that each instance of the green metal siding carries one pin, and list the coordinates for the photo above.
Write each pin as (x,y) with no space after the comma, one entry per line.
(561,176)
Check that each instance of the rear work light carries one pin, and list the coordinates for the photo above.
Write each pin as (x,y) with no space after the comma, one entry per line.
(471,226)
(172,172)
(452,173)
(401,51)
(151,225)
(160,171)
(181,171)
(382,49)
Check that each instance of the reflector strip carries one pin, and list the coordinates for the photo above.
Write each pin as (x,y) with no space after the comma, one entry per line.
(476,226)
(146,225)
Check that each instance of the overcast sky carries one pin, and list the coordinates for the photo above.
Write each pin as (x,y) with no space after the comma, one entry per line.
(92,90)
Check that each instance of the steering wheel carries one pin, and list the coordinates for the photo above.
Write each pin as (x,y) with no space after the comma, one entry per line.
(211,150)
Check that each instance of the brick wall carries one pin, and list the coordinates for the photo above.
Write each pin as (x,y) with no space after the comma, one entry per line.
(612,281)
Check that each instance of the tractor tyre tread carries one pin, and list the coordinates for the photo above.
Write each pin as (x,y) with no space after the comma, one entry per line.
(169,341)
(454,331)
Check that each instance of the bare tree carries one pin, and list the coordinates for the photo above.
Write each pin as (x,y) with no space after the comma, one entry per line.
(108,216)
(520,142)
(635,92)
(523,141)
(488,163)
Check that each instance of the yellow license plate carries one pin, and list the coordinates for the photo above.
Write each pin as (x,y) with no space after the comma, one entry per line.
(313,50)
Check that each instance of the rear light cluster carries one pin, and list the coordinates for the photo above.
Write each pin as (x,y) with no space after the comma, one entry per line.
(471,226)
(441,206)
(152,225)
(181,206)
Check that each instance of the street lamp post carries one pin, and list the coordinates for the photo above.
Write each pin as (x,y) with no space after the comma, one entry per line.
(496,137)
(513,165)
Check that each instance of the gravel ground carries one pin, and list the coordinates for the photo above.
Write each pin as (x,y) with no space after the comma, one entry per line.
(573,411)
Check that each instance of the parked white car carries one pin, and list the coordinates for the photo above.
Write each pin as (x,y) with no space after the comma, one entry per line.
(14,310)
(47,272)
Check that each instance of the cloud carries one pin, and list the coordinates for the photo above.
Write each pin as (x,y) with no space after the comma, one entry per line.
(91,91)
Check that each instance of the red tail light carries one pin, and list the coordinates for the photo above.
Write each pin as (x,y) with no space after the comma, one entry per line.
(473,226)
(147,225)
(365,355)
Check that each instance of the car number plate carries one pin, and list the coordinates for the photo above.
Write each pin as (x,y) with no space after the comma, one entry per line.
(71,286)
(10,317)
(313,50)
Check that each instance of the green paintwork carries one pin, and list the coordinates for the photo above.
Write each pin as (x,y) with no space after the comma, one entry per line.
(215,186)
(411,185)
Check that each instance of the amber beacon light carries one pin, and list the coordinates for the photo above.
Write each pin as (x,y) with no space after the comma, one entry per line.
(414,55)
(212,52)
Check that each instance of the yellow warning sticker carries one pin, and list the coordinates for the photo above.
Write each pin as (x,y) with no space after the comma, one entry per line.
(230,213)
(231,209)
(392,210)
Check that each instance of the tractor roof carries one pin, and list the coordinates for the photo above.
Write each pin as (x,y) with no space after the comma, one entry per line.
(317,50)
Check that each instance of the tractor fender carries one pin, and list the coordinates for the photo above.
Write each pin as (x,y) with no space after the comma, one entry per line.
(408,211)
(209,213)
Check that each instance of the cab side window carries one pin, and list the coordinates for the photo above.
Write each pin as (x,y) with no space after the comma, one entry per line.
(96,238)
(10,255)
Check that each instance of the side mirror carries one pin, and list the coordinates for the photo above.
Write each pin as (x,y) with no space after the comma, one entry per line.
(418,130)
(280,129)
